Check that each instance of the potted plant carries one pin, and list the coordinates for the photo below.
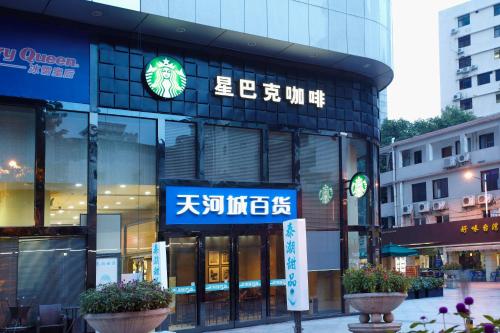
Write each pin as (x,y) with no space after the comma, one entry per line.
(417,288)
(375,292)
(134,307)
(434,287)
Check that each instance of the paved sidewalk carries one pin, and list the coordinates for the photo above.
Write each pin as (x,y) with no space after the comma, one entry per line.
(486,301)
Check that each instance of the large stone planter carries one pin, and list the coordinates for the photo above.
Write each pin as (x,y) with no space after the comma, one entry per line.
(375,305)
(127,322)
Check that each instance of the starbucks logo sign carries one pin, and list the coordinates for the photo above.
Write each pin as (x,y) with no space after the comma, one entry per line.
(165,77)
(359,185)
(326,194)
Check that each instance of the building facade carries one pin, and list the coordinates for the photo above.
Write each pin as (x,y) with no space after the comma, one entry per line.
(469,53)
(203,124)
(434,196)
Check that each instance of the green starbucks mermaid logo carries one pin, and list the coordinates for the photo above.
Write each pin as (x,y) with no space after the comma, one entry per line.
(325,194)
(165,77)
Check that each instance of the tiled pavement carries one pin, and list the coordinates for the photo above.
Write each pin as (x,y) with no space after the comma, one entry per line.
(486,301)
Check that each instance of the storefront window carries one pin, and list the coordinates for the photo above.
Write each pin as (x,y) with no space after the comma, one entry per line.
(319,178)
(126,186)
(324,292)
(357,249)
(180,150)
(355,159)
(51,270)
(66,149)
(280,157)
(232,154)
(17,164)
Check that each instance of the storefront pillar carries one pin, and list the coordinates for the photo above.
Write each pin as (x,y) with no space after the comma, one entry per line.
(490,263)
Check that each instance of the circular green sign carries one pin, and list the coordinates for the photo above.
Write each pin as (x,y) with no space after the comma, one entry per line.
(359,185)
(325,194)
(165,77)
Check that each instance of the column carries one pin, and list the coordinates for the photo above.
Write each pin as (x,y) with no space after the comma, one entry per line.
(490,263)
(430,153)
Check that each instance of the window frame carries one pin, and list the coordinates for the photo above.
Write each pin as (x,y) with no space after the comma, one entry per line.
(490,182)
(419,154)
(483,78)
(465,83)
(466,104)
(486,140)
(463,20)
(496,9)
(436,187)
(444,151)
(415,188)
(463,41)
(466,59)
(496,31)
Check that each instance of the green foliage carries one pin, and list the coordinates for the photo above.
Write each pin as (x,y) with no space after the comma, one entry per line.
(125,297)
(374,280)
(401,129)
(422,283)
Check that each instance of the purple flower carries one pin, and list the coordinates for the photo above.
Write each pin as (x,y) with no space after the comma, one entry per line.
(423,318)
(461,308)
(469,300)
(443,310)
(489,328)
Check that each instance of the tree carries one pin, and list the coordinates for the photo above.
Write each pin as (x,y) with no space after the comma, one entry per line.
(401,129)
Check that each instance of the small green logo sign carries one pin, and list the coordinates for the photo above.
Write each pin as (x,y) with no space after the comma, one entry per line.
(165,77)
(326,194)
(359,185)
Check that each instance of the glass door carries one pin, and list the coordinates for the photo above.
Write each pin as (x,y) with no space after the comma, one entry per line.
(277,281)
(217,300)
(250,298)
(182,276)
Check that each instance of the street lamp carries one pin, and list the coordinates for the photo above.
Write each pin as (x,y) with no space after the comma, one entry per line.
(470,175)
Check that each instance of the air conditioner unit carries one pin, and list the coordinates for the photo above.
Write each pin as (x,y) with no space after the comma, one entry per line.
(457,96)
(460,50)
(423,207)
(481,199)
(449,162)
(439,205)
(463,158)
(473,67)
(454,31)
(407,209)
(468,201)
(466,69)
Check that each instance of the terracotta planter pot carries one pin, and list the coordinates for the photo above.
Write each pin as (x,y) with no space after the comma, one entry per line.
(374,305)
(127,322)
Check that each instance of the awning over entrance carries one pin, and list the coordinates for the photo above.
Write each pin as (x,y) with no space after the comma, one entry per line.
(397,251)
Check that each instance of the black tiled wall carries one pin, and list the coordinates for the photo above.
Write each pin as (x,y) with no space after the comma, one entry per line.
(351,106)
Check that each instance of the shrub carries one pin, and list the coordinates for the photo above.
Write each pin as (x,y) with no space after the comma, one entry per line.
(422,283)
(125,297)
(374,280)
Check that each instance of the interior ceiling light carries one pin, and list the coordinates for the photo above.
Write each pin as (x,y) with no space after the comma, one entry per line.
(147,193)
(131,198)
(78,185)
(123,185)
(107,192)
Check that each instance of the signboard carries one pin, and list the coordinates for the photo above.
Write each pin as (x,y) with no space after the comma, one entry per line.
(271,92)
(106,270)
(165,77)
(43,61)
(226,205)
(358,186)
(159,263)
(325,194)
(297,286)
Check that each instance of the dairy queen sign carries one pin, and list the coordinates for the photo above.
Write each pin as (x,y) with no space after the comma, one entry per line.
(48,62)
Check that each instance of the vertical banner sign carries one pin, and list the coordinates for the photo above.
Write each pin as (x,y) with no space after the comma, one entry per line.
(159,263)
(297,286)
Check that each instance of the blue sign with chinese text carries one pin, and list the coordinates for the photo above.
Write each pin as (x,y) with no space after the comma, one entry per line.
(42,60)
(226,205)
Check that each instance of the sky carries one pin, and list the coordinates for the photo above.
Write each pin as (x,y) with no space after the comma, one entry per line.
(414,92)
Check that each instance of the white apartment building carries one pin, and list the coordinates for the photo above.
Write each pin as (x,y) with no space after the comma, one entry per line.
(469,54)
(432,195)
